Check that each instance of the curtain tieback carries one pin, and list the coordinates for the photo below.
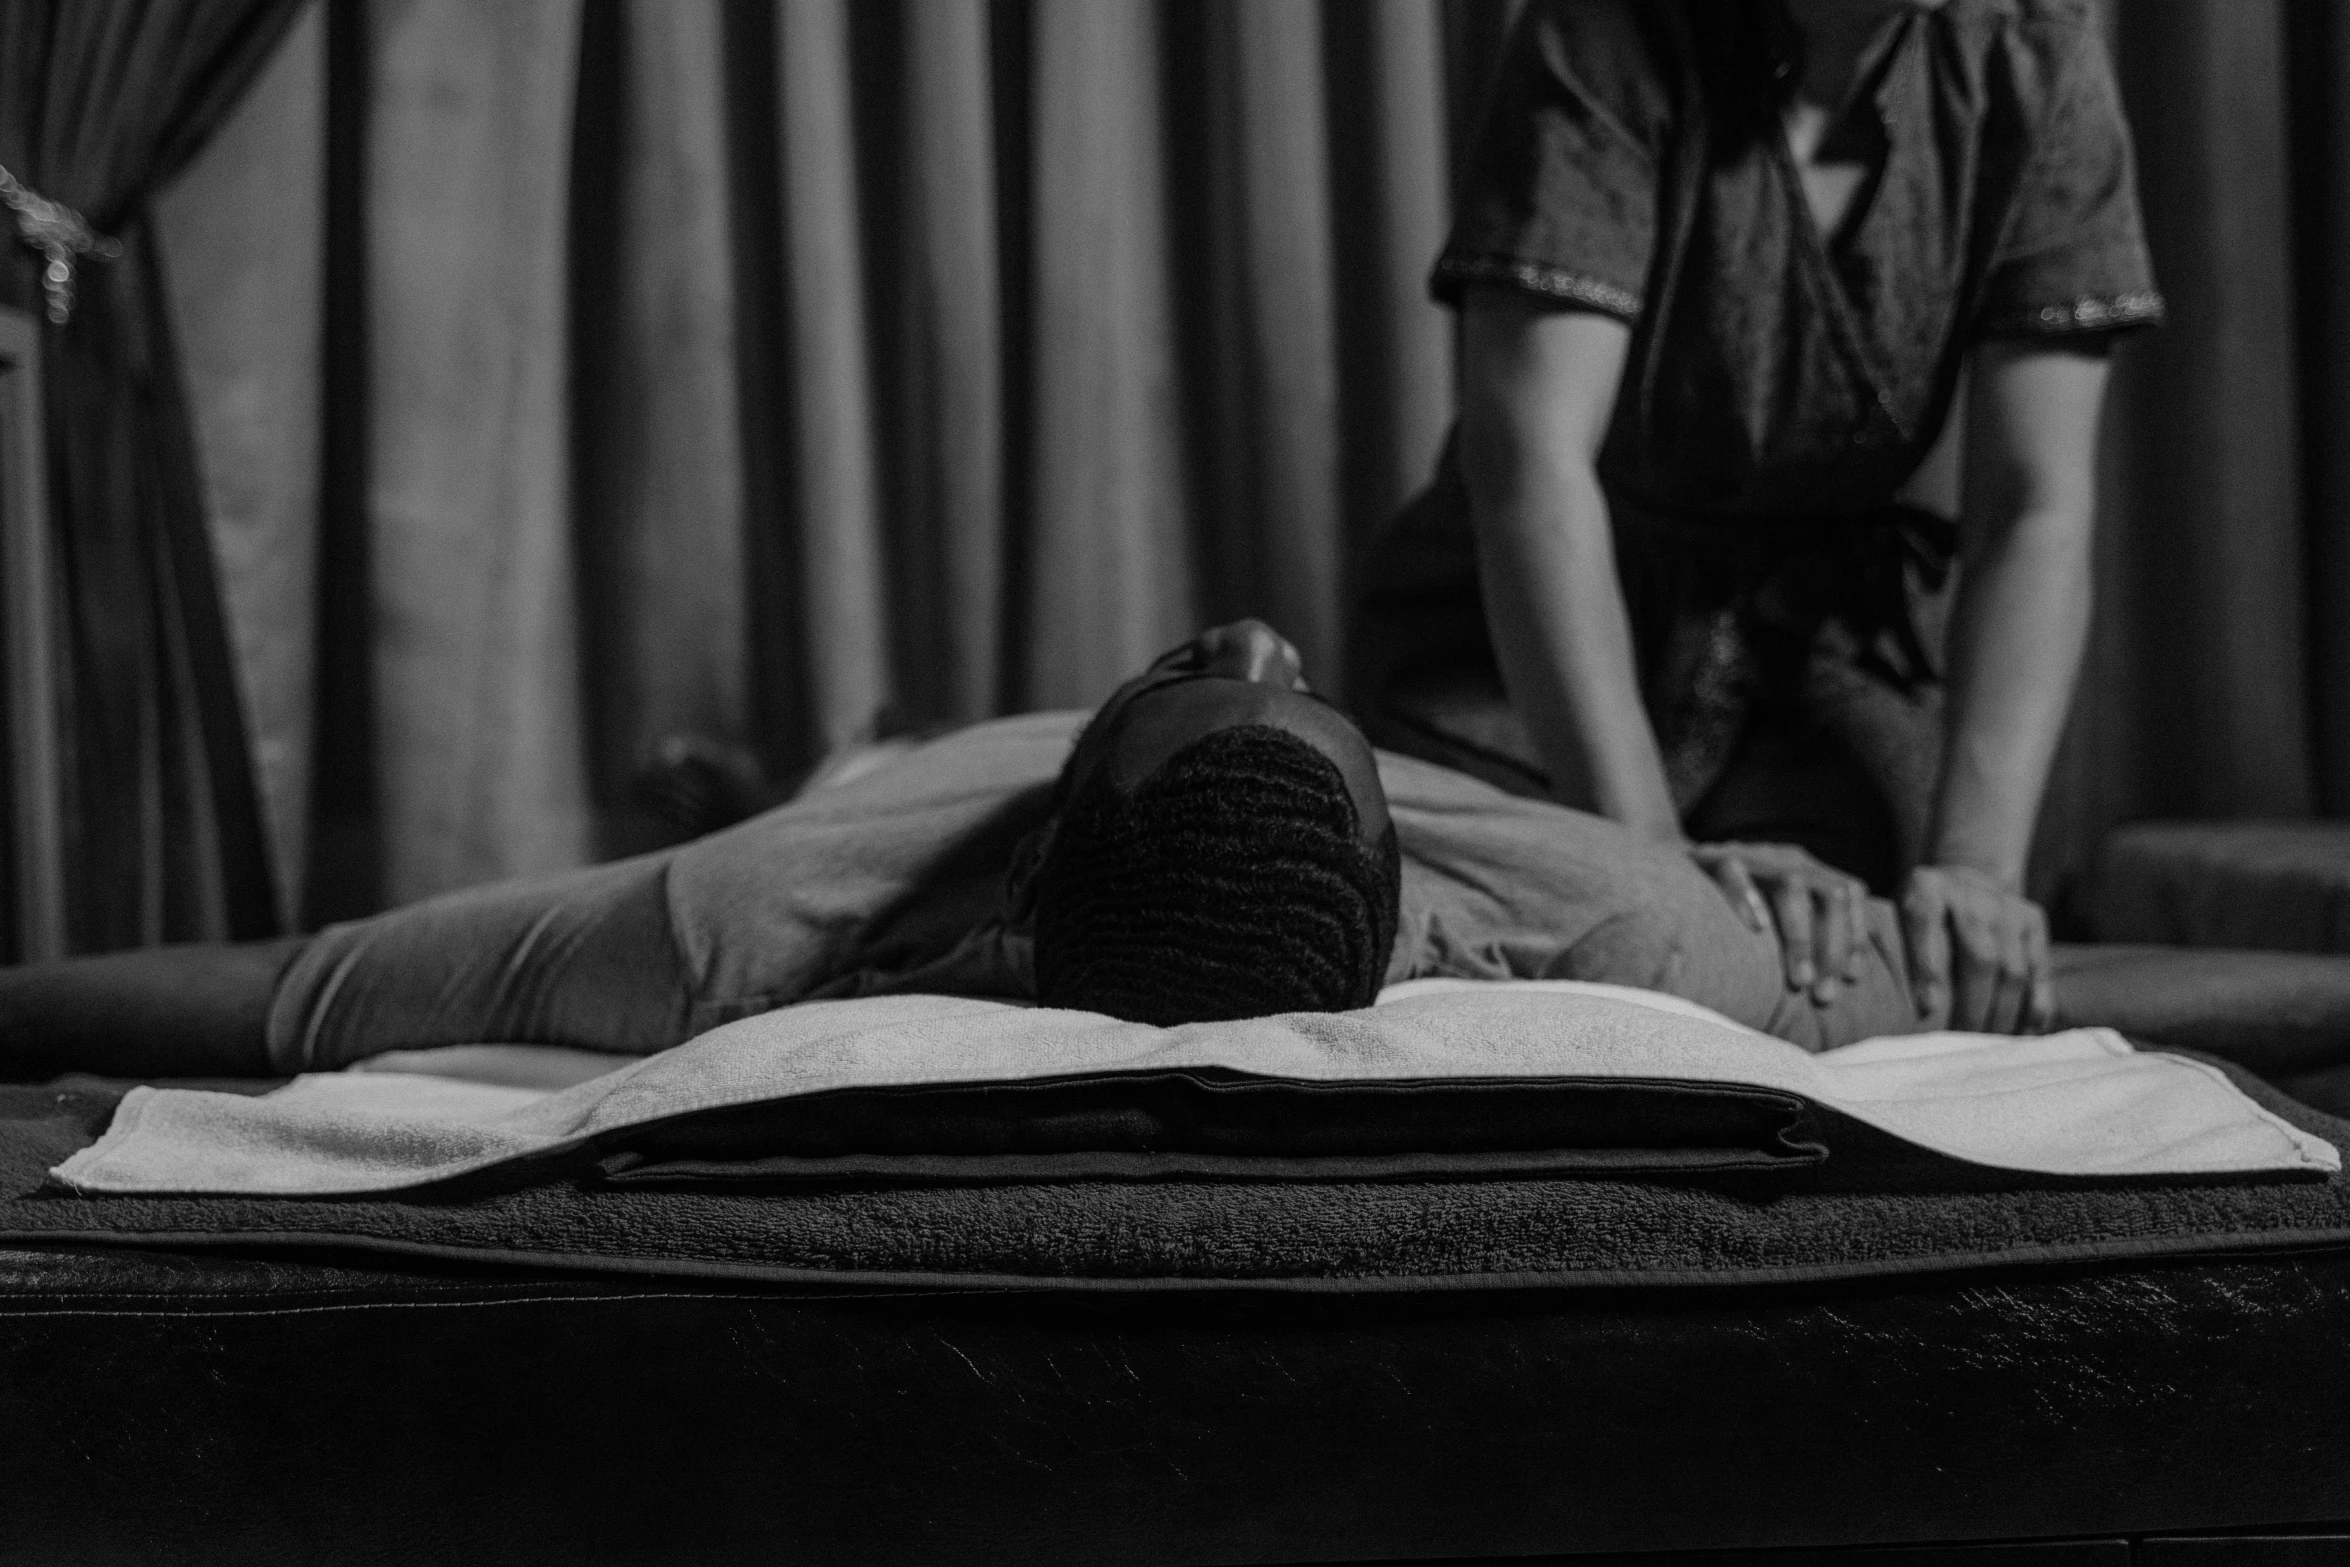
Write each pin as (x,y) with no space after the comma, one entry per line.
(59,233)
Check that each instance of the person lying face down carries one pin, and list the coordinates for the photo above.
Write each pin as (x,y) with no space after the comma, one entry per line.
(1220,847)
(1215,845)
(1216,842)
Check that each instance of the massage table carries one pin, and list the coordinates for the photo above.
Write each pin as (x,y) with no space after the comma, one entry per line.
(296,1395)
(174,1406)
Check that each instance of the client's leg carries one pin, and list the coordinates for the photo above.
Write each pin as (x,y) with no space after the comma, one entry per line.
(193,1011)
(584,959)
(876,878)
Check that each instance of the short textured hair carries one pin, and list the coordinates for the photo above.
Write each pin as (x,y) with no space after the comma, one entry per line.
(1232,882)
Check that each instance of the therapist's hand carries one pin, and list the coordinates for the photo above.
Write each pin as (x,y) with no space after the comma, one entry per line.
(1817,911)
(1979,945)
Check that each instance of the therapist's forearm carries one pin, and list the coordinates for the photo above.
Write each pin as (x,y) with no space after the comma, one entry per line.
(2016,636)
(1546,562)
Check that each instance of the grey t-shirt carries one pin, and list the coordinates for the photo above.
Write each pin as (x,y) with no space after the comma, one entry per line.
(1774,371)
(895,882)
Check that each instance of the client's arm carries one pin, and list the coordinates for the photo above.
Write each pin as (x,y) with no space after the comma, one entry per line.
(193,1011)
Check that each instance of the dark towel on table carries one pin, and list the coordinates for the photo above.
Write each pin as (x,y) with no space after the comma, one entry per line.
(1212,1124)
(1214,1234)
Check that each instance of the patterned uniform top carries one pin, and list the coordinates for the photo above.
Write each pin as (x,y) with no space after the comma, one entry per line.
(1775,371)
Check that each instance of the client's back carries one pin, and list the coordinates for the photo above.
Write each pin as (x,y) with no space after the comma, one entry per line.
(1233,880)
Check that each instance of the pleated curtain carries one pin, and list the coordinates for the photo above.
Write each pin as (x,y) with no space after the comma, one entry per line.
(571,373)
(103,102)
(2217,682)
(769,371)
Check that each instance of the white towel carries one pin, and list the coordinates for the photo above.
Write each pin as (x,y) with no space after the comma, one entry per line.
(2077,1103)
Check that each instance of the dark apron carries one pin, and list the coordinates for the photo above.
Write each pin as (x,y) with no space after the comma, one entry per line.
(1789,667)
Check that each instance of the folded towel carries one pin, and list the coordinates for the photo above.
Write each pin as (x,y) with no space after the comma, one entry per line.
(1574,1077)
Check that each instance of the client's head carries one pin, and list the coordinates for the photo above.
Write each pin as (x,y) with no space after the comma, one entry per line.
(1223,850)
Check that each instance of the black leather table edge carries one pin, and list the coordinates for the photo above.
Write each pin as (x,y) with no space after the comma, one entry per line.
(2322,1543)
(2246,1245)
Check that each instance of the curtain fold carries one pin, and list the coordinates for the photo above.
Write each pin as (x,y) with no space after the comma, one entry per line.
(833,520)
(948,385)
(658,513)
(2210,506)
(1270,489)
(102,103)
(1388,151)
(759,369)
(481,747)
(243,231)
(2202,692)
(2317,45)
(1108,562)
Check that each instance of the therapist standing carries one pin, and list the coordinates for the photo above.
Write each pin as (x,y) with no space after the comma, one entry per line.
(1724,269)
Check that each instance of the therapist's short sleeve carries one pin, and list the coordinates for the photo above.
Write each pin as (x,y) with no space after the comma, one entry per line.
(1559,200)
(2071,257)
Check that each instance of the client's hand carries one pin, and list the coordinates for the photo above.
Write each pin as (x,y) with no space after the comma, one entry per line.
(1243,650)
(1820,911)
(697,784)
(1982,945)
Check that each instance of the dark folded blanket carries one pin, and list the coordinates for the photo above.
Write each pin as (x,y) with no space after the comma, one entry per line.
(1179,1233)
(1208,1123)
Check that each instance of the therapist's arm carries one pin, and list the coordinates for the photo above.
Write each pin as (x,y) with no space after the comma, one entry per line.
(2017,632)
(1537,389)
